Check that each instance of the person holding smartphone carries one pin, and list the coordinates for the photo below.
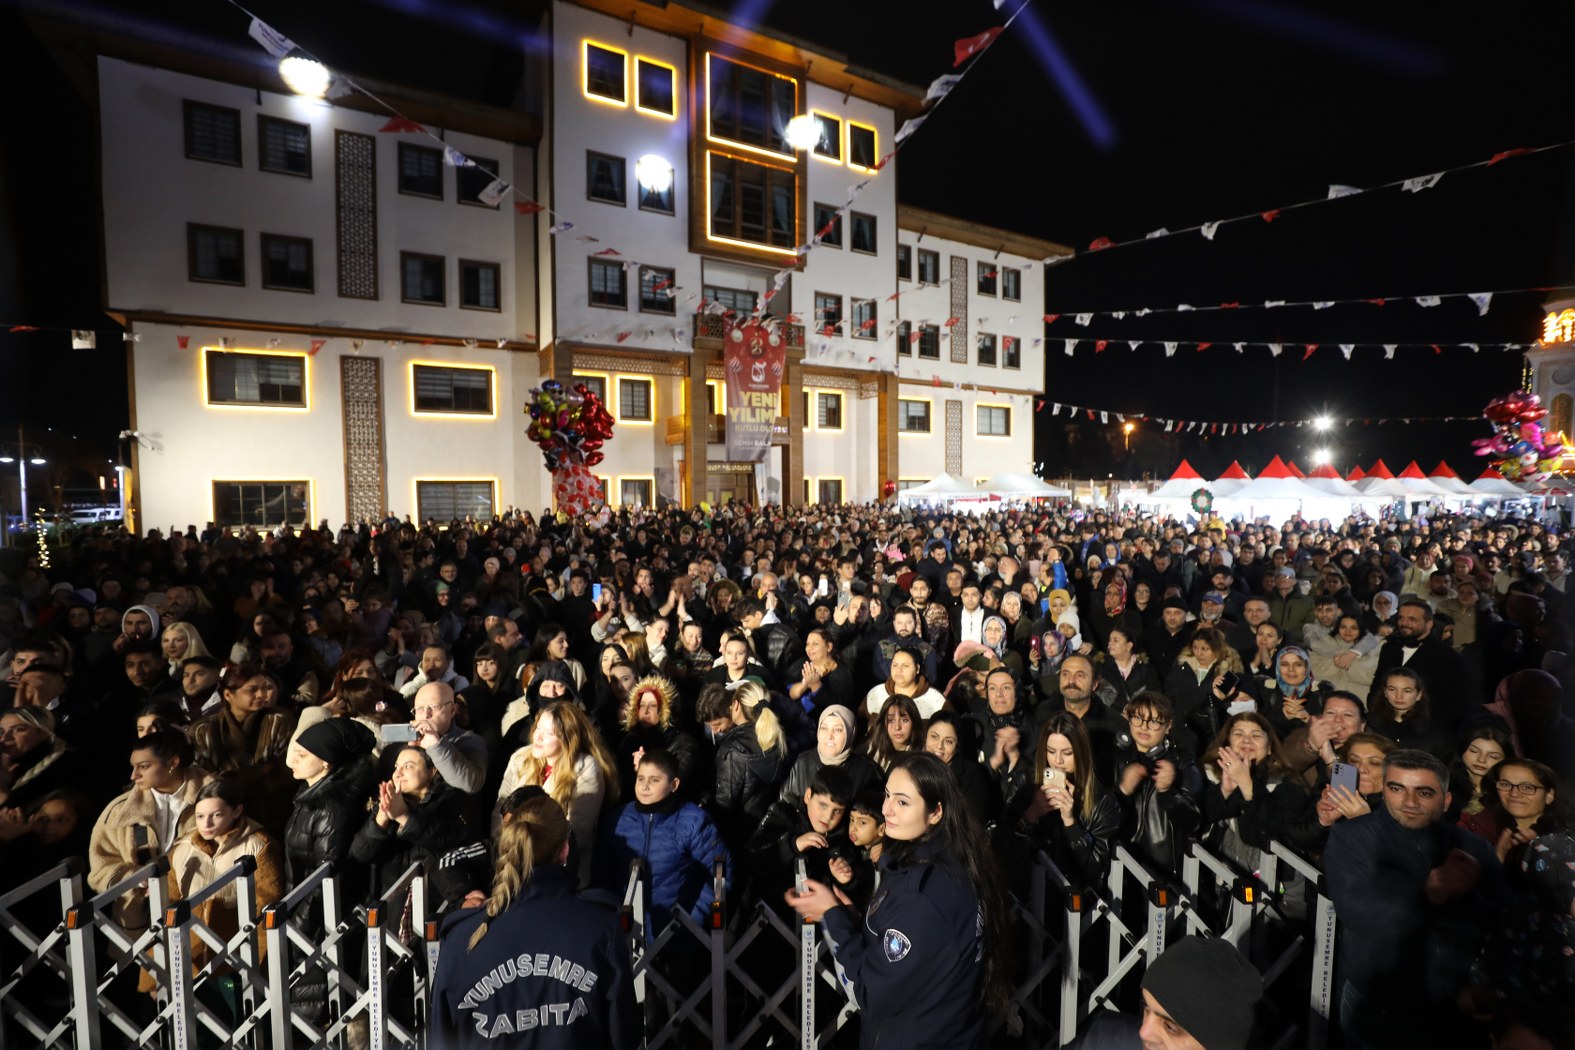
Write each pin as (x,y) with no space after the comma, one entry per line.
(1063,809)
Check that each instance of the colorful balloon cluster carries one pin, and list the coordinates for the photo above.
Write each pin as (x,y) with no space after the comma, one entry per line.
(570,426)
(1526,452)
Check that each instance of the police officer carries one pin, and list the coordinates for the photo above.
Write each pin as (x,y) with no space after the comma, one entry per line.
(926,958)
(536,966)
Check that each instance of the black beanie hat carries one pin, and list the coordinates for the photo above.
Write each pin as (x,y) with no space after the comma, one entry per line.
(337,741)
(1208,989)
(1173,603)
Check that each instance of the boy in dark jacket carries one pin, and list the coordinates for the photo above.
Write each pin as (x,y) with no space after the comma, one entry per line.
(813,830)
(675,842)
(855,873)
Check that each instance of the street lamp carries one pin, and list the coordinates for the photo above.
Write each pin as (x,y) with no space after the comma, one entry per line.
(22,457)
(304,75)
(1320,456)
(802,132)
(1322,423)
(1126,435)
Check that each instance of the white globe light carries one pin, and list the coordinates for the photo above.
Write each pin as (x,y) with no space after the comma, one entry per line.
(304,76)
(802,132)
(654,173)
(1322,423)
(1321,456)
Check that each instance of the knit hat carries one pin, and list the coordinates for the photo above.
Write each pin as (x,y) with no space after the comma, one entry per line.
(1208,989)
(1173,603)
(338,741)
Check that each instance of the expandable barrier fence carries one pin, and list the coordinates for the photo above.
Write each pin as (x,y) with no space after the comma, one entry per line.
(308,972)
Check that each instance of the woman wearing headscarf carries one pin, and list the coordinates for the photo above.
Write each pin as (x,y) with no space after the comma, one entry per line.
(1292,698)
(835,739)
(1112,612)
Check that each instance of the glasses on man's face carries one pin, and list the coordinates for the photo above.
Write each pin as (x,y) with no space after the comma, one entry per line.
(1525,790)
(1146,722)
(428,712)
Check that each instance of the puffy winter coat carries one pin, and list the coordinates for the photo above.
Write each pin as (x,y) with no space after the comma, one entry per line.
(196,863)
(436,824)
(112,849)
(678,846)
(746,783)
(861,773)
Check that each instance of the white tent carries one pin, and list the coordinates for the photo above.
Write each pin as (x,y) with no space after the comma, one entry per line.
(1329,482)
(1278,491)
(1445,478)
(1180,486)
(1418,484)
(1230,482)
(1020,486)
(942,489)
(1497,486)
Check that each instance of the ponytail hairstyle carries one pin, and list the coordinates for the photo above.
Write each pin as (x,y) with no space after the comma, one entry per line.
(751,696)
(535,834)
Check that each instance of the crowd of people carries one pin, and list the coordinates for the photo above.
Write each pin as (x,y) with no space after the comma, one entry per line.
(855,710)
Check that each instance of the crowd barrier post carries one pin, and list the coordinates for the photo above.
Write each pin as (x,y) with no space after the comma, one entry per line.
(47,952)
(128,949)
(718,946)
(384,950)
(1320,1002)
(276,933)
(1245,899)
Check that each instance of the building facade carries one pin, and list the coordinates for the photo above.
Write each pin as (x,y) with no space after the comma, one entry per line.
(1551,366)
(332,320)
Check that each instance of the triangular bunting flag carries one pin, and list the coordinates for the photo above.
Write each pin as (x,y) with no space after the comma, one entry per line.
(528,207)
(1428,300)
(1482,300)
(1069,344)
(1421,182)
(455,159)
(1209,229)
(1308,350)
(402,124)
(968,47)
(1336,192)
(317,344)
(274,42)
(1170,349)
(1346,349)
(1084,319)
(942,86)
(1389,351)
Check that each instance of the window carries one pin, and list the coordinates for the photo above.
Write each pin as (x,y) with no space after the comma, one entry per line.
(904,484)
(830,143)
(987,354)
(863,232)
(861,147)
(605,70)
(479,284)
(738,300)
(284,146)
(213,133)
(655,88)
(213,253)
(713,397)
(604,178)
(828,225)
(1011,284)
(277,380)
(287,263)
(434,388)
(913,417)
(656,290)
(930,341)
(905,338)
(634,400)
(829,490)
(864,319)
(657,198)
(607,285)
(904,262)
(421,279)
(992,420)
(828,410)
(929,267)
(987,275)
(595,384)
(1012,352)
(469,182)
(752,202)
(828,312)
(453,500)
(420,171)
(750,106)
(261,503)
(635,492)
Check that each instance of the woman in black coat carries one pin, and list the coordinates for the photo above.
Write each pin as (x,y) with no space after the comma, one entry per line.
(1129,671)
(1063,809)
(834,746)
(949,737)
(418,818)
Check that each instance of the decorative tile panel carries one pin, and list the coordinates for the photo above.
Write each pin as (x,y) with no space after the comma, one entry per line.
(959,293)
(355,213)
(366,472)
(954,438)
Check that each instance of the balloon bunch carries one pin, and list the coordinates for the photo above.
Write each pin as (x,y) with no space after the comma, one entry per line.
(570,426)
(1526,451)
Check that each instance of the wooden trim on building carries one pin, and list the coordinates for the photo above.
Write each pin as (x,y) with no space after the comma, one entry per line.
(370,334)
(951,228)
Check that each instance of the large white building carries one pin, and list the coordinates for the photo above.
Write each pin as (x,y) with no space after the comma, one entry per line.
(330,322)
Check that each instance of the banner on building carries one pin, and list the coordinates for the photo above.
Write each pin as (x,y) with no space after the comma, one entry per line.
(755,360)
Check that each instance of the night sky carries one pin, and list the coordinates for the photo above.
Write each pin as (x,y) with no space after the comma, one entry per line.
(1084,121)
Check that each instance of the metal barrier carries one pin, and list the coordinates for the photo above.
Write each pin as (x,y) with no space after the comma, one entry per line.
(41,955)
(129,949)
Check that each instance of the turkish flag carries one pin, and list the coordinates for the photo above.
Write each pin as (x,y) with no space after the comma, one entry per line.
(973,45)
(528,207)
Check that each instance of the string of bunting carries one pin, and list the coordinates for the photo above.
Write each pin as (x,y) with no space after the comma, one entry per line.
(1483,301)
(1181,426)
(1415,184)
(966,51)
(1276,349)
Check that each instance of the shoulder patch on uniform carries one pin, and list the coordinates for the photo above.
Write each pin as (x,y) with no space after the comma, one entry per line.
(896,944)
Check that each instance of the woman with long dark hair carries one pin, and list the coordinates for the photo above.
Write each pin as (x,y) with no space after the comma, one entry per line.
(928,957)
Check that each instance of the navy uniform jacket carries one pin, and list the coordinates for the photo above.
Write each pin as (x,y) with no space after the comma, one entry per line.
(916,960)
(553,971)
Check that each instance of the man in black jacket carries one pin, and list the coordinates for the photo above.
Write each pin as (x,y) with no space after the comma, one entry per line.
(1414,647)
(776,645)
(1170,636)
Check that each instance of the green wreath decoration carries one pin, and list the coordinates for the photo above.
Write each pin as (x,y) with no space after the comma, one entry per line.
(1202,501)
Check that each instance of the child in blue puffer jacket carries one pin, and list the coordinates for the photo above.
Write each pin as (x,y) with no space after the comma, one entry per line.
(675,841)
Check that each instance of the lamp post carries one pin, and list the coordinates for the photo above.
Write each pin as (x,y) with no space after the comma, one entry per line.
(1126,435)
(22,458)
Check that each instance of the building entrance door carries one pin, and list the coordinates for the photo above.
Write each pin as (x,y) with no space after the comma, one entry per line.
(726,482)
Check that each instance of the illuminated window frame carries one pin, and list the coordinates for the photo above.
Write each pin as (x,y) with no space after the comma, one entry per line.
(847,149)
(836,139)
(813,422)
(585,73)
(649,479)
(929,417)
(842,487)
(311,497)
(720,396)
(492,387)
(606,380)
(306,381)
(672,72)
(711,136)
(650,382)
(710,235)
(415,493)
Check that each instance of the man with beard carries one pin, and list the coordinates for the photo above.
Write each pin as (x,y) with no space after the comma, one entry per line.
(904,635)
(1167,638)
(1076,693)
(1415,646)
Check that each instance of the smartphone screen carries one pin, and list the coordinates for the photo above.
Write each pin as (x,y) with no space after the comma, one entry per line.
(1342,774)
(1231,683)
(596,592)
